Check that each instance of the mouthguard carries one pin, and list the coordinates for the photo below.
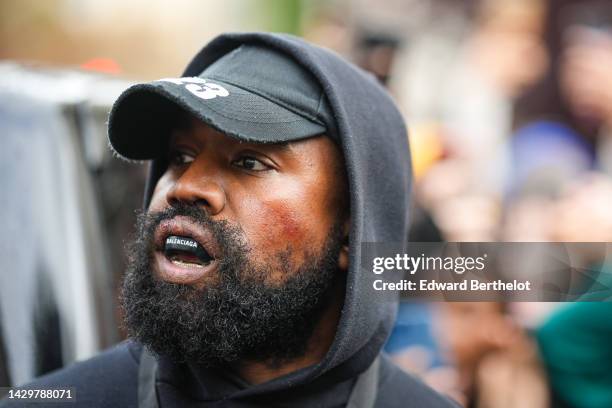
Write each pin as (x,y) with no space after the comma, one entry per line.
(176,244)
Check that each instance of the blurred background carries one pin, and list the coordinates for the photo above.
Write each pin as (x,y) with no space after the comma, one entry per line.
(509,109)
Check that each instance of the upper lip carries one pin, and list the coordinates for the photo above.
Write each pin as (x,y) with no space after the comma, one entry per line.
(182,226)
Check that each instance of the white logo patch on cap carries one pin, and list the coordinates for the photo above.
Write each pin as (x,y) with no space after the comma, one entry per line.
(199,87)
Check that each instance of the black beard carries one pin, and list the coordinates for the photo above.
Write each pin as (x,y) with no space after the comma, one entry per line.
(241,317)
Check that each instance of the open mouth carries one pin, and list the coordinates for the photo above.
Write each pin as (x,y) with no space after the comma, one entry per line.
(186,252)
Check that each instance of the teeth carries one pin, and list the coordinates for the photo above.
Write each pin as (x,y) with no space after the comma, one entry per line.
(179,262)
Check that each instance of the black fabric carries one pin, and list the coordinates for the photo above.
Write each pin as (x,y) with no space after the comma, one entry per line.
(256,94)
(363,393)
(109,380)
(365,390)
(147,373)
(373,139)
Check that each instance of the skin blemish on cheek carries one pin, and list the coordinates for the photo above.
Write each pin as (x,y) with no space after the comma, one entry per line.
(281,215)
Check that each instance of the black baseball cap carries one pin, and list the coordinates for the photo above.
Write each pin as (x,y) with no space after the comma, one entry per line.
(253,93)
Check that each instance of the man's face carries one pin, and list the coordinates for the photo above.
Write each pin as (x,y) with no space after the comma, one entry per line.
(274,220)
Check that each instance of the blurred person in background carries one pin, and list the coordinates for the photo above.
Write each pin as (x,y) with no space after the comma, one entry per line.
(466,133)
(376,53)
(472,351)
(584,78)
(460,164)
(490,73)
(528,108)
(496,361)
(557,189)
(561,189)
(463,183)
(546,159)
(554,192)
(573,98)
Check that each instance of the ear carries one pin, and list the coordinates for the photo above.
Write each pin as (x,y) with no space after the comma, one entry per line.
(343,257)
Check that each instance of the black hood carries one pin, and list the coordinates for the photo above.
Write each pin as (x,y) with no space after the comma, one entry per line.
(373,139)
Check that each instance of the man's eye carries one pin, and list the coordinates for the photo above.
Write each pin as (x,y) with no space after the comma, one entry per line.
(180,158)
(251,163)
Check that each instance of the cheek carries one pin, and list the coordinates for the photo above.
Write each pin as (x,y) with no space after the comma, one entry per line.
(288,222)
(277,223)
(274,225)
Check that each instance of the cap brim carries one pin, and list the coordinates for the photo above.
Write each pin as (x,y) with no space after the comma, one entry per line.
(144,115)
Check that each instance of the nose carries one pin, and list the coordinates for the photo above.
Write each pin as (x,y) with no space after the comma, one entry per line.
(197,186)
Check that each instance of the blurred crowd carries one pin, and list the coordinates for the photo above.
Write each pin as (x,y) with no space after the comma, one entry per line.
(509,110)
(510,115)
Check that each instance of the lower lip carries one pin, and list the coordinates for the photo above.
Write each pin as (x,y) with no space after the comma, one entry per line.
(174,273)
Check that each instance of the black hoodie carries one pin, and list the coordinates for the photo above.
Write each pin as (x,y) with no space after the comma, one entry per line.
(373,140)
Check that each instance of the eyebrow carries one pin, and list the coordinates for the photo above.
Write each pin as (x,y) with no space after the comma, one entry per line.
(283,147)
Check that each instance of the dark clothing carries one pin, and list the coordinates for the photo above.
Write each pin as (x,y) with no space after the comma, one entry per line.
(109,380)
(373,140)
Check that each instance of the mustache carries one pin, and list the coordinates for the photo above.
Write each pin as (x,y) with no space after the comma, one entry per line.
(196,214)
(228,236)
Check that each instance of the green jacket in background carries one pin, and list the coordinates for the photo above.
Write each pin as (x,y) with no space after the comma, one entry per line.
(576,347)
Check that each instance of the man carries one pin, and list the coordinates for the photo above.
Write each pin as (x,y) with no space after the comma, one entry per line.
(272,161)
